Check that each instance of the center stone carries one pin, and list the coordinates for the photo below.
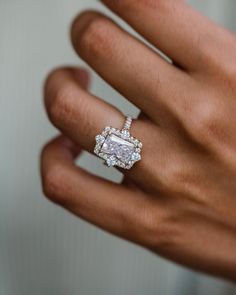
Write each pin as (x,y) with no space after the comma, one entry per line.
(120,148)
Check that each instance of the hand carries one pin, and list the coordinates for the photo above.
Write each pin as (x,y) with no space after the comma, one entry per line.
(180,199)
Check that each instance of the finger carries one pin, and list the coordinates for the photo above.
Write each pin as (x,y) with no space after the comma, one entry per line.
(110,206)
(174,27)
(74,111)
(137,72)
(81,116)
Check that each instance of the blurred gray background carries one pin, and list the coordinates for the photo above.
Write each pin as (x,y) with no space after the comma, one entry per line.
(44,249)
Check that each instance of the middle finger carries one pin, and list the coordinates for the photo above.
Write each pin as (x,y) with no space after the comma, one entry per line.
(136,71)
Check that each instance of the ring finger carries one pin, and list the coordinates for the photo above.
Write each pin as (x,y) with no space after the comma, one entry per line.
(82,116)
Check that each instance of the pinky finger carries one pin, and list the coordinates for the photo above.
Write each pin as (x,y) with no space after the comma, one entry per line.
(113,207)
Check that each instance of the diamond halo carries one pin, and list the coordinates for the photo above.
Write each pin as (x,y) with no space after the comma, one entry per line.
(118,147)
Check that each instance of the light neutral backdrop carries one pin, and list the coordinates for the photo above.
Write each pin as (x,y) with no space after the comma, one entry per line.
(44,249)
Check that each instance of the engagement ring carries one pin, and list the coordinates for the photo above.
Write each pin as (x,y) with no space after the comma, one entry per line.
(117,147)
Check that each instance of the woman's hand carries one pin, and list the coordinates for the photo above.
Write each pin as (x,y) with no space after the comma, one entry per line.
(180,199)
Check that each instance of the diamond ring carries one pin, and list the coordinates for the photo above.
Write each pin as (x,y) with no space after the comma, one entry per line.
(117,147)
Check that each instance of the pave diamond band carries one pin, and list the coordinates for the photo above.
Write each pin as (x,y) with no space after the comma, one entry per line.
(117,147)
(128,123)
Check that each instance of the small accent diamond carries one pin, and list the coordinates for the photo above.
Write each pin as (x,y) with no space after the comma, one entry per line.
(136,141)
(125,133)
(140,144)
(111,161)
(100,139)
(135,157)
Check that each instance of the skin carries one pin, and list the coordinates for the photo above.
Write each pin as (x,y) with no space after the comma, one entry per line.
(179,201)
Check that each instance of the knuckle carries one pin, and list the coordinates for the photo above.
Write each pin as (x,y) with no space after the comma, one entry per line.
(206,123)
(174,173)
(161,233)
(51,82)
(52,76)
(209,55)
(183,180)
(96,37)
(59,108)
(173,176)
(53,184)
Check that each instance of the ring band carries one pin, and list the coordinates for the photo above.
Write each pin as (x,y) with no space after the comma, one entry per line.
(128,123)
(117,147)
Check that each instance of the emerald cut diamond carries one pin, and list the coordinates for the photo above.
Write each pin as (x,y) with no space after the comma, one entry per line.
(118,147)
